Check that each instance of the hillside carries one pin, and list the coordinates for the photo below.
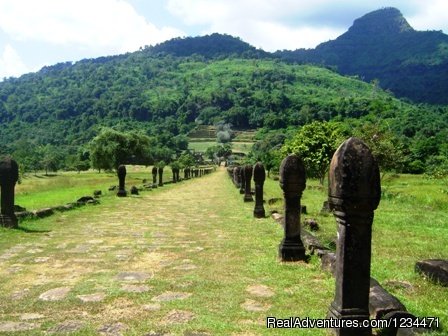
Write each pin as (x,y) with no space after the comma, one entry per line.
(382,45)
(59,109)
(66,104)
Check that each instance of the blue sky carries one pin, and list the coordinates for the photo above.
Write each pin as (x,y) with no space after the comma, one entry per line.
(35,33)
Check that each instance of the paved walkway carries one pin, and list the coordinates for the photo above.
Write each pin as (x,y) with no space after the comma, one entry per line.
(170,261)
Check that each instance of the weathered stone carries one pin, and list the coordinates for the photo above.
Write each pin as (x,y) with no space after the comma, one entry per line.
(9,175)
(85,199)
(67,327)
(55,294)
(160,171)
(113,329)
(354,193)
(133,276)
(260,291)
(97,193)
(292,182)
(134,190)
(434,269)
(170,296)
(311,223)
(242,181)
(328,262)
(154,175)
(135,288)
(9,327)
(112,188)
(259,178)
(325,208)
(178,316)
(247,178)
(96,297)
(236,177)
(18,208)
(254,306)
(41,213)
(121,172)
(381,302)
(31,316)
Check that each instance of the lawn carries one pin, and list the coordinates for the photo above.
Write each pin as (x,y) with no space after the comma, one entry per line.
(191,259)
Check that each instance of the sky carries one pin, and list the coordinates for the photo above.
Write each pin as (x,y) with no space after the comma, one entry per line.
(36,33)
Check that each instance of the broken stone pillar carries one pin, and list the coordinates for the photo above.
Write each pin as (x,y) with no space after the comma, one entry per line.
(236,177)
(9,175)
(354,193)
(160,171)
(292,181)
(121,172)
(154,176)
(259,177)
(247,178)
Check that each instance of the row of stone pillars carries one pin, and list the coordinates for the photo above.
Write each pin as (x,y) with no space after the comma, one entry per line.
(354,194)
(188,173)
(242,176)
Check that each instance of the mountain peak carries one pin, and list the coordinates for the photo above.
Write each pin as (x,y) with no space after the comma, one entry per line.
(385,21)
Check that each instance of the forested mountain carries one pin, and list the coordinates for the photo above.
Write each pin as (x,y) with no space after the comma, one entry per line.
(382,45)
(165,91)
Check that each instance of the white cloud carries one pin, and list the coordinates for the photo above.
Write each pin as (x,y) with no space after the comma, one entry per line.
(111,26)
(11,65)
(291,24)
(431,16)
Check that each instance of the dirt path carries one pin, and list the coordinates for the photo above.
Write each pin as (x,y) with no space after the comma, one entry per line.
(171,261)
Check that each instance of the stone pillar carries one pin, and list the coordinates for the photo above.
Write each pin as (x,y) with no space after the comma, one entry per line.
(9,175)
(242,181)
(154,177)
(173,172)
(160,176)
(259,177)
(293,182)
(121,172)
(354,193)
(236,177)
(247,189)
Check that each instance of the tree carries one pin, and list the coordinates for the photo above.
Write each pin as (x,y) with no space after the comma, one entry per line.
(315,143)
(111,148)
(384,145)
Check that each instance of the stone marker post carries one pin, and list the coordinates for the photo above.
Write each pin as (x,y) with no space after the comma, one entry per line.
(259,177)
(160,176)
(293,182)
(242,181)
(154,176)
(354,193)
(9,175)
(236,177)
(121,172)
(248,178)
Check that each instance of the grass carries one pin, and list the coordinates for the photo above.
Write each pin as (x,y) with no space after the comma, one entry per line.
(204,224)
(40,191)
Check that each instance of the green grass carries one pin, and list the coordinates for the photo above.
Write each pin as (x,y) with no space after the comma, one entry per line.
(40,191)
(203,222)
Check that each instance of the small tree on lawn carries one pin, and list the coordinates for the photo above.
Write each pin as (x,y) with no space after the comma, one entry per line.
(316,144)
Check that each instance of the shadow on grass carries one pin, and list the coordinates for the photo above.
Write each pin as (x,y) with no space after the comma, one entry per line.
(27,230)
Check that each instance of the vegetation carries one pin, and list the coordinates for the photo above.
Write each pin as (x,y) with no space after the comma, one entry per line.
(382,46)
(409,225)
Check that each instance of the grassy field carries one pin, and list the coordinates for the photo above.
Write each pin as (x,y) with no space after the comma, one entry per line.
(239,147)
(190,259)
(40,191)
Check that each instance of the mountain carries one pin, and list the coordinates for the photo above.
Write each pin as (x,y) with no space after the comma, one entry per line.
(382,45)
(208,46)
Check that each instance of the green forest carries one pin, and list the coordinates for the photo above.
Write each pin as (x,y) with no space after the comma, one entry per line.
(50,118)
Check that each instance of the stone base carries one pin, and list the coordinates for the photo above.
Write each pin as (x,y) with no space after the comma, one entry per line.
(122,193)
(8,221)
(248,198)
(259,213)
(292,251)
(349,314)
